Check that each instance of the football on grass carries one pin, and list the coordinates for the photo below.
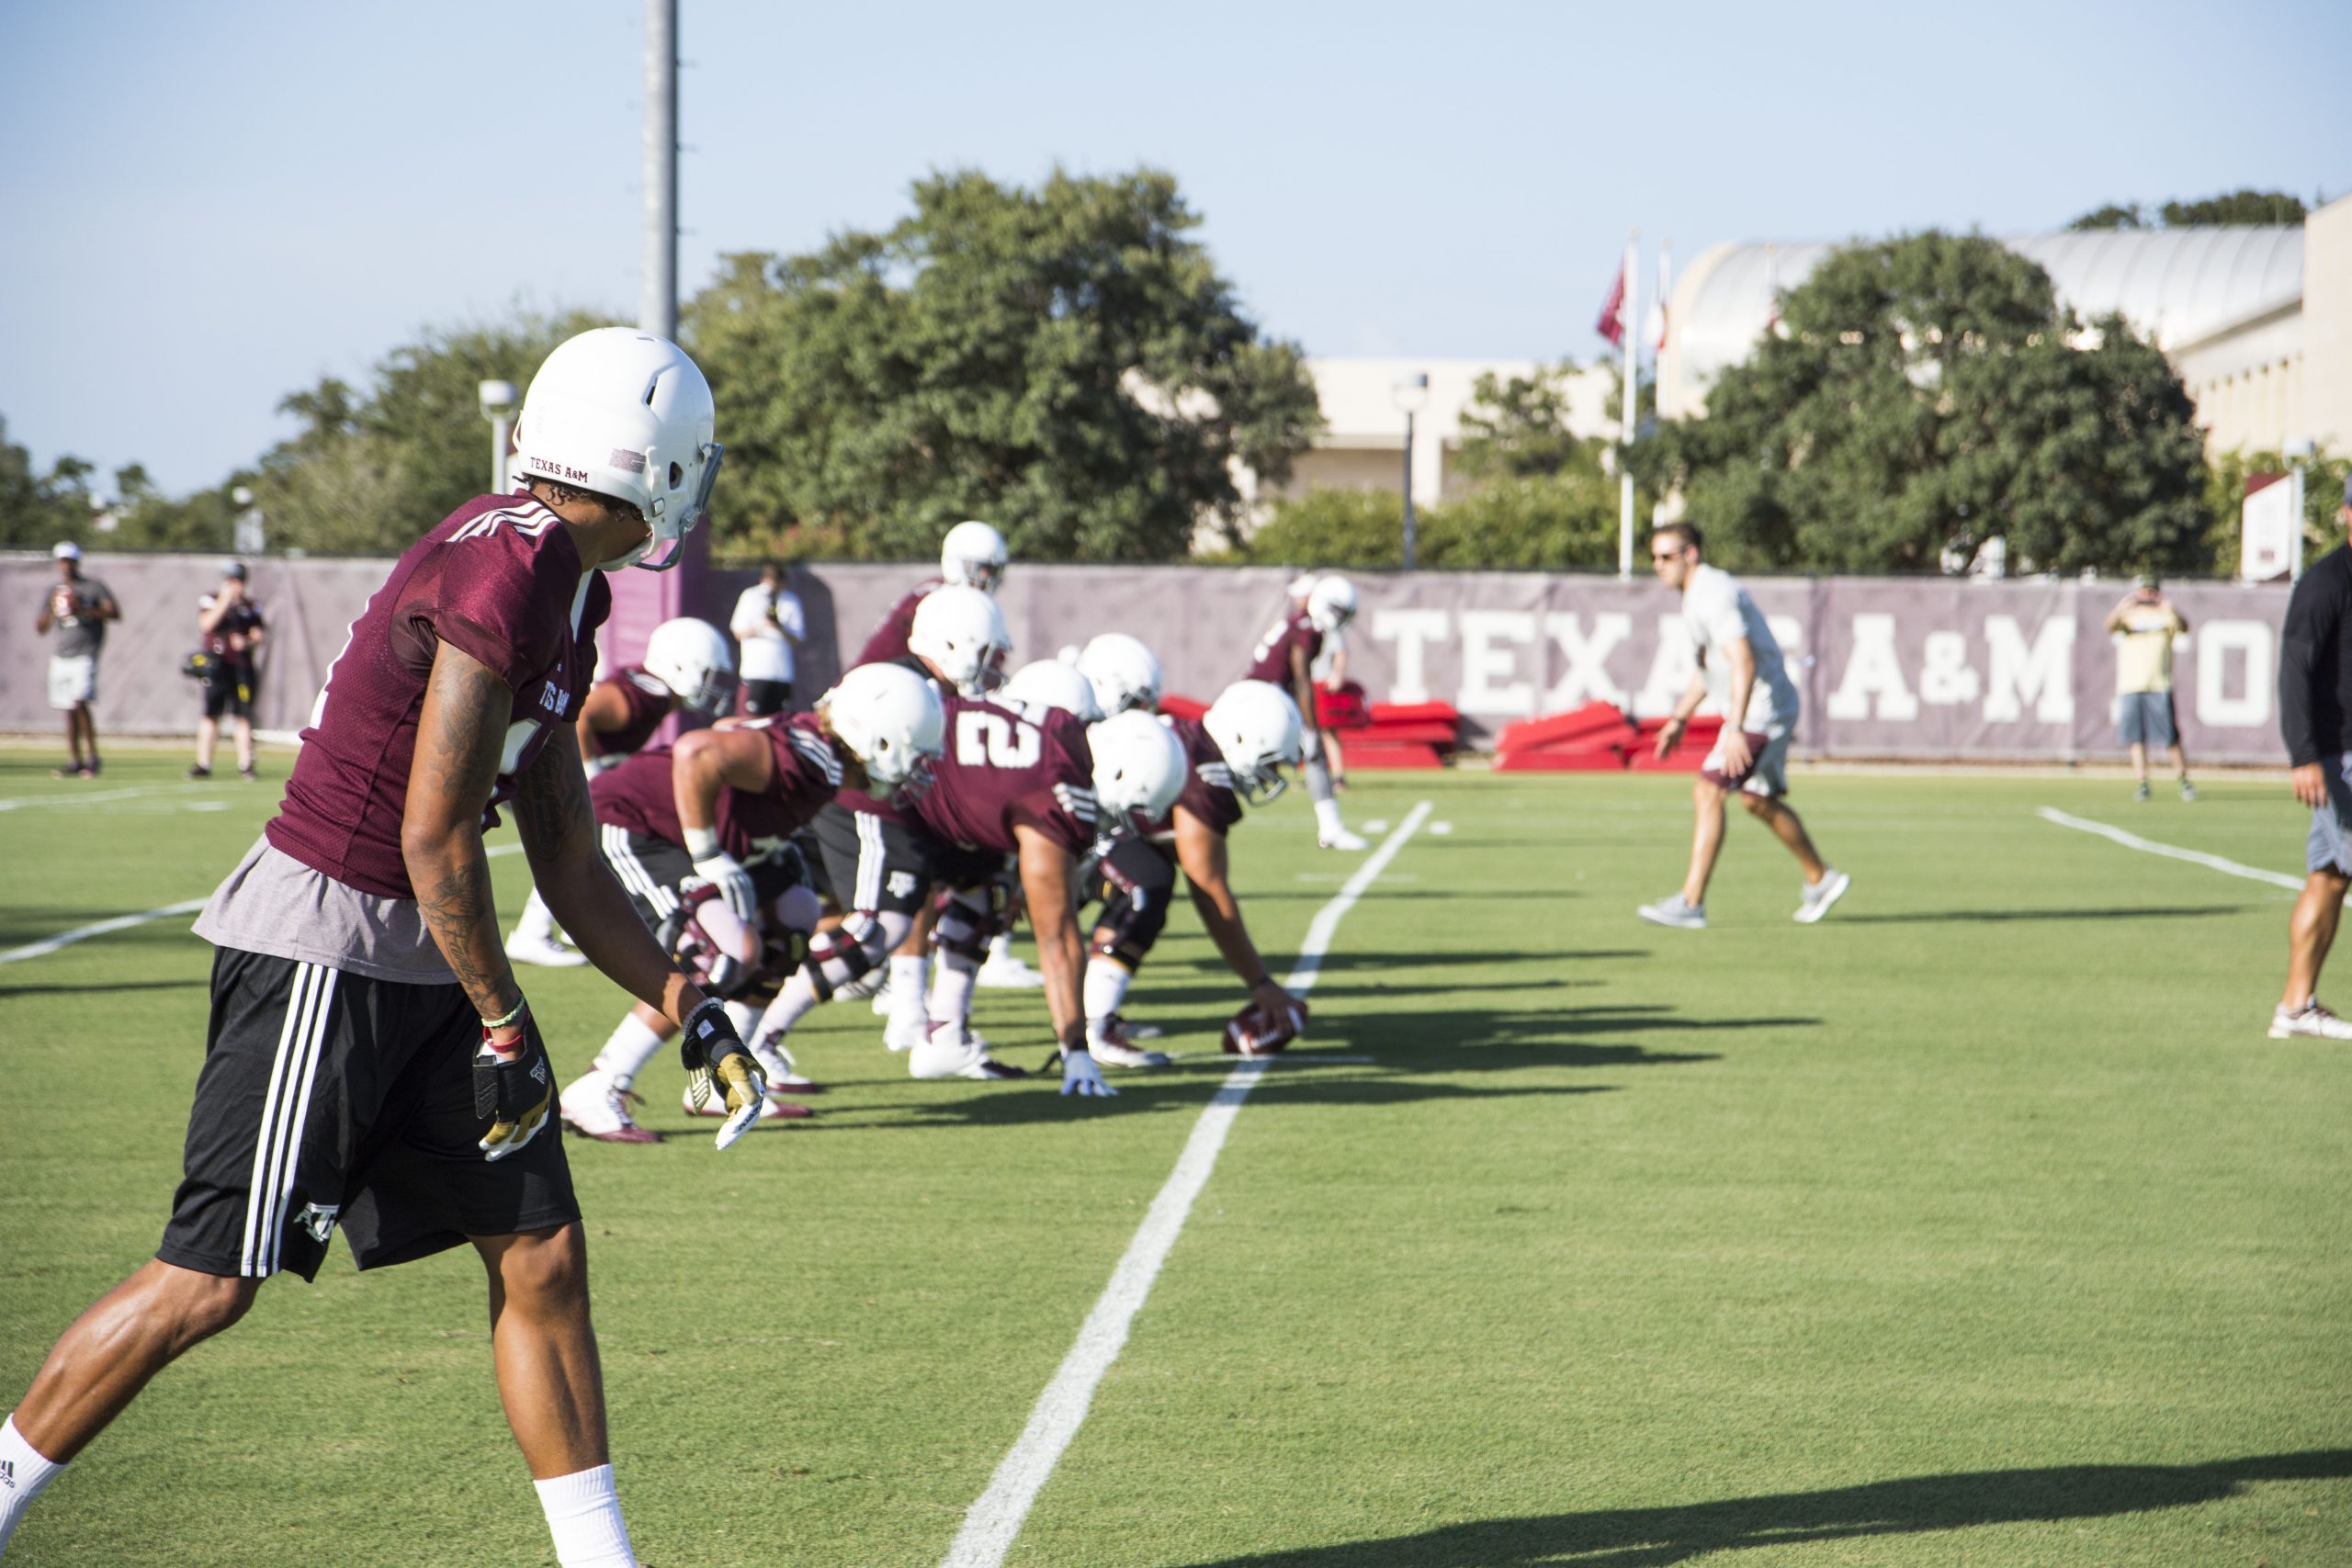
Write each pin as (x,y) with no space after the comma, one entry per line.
(1251,1032)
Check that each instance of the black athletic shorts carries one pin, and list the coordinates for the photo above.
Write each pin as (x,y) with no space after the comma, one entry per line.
(891,867)
(761,698)
(328,1098)
(653,871)
(229,690)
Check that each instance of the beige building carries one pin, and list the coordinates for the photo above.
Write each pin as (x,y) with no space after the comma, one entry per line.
(2257,320)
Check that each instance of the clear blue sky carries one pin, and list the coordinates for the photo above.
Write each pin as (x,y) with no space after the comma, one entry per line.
(208,205)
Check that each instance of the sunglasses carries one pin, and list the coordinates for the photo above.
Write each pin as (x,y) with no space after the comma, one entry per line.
(1670,555)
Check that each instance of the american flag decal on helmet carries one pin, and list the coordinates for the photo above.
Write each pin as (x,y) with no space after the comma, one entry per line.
(627,462)
(1217,775)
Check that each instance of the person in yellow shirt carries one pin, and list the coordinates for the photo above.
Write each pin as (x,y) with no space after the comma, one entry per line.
(2144,627)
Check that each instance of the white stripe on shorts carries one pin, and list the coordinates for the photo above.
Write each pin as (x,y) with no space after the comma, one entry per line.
(871,851)
(633,874)
(277,1143)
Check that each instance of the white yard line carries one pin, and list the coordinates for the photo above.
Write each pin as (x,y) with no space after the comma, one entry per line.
(995,1520)
(48,945)
(96,798)
(83,933)
(2172,852)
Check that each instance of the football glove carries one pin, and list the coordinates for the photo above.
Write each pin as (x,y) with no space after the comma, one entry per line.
(1079,1074)
(514,1093)
(717,1060)
(726,873)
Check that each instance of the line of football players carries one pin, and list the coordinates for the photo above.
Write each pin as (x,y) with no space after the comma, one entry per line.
(881,845)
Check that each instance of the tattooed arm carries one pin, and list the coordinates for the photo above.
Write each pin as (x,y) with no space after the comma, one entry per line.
(460,730)
(559,828)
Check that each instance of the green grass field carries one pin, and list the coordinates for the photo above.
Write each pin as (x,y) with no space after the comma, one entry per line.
(1978,1225)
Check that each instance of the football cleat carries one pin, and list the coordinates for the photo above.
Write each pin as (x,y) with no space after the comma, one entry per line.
(905,1034)
(1821,894)
(1116,1047)
(593,1108)
(951,1053)
(2311,1021)
(1672,911)
(782,1074)
(1007,972)
(544,951)
(773,1110)
(1340,839)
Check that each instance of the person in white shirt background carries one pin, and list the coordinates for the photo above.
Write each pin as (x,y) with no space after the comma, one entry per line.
(768,624)
(1739,662)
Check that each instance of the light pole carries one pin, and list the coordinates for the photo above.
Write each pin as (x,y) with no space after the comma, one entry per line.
(1412,394)
(2298,453)
(498,400)
(247,540)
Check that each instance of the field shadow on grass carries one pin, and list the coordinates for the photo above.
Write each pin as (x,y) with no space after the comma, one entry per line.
(2124,912)
(1652,1538)
(1174,1088)
(7,991)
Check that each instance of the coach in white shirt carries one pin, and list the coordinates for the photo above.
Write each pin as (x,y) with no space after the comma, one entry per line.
(767,622)
(1739,663)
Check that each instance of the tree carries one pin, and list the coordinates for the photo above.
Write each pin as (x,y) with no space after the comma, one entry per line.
(1065,361)
(37,510)
(1930,391)
(2242,208)
(2224,499)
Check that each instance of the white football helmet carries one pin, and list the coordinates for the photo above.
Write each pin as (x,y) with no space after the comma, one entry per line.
(626,414)
(693,659)
(1138,766)
(1257,727)
(891,720)
(1331,603)
(961,633)
(973,554)
(1122,671)
(1051,684)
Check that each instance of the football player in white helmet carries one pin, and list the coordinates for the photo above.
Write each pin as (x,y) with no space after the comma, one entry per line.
(689,665)
(621,413)
(960,634)
(1234,752)
(1319,609)
(1124,673)
(1048,683)
(973,554)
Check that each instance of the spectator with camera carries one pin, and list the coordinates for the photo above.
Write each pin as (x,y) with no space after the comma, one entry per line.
(232,630)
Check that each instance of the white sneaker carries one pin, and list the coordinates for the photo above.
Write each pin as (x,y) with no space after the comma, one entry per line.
(2313,1022)
(592,1106)
(1117,1047)
(1672,911)
(782,1074)
(905,1034)
(770,1110)
(1008,973)
(951,1053)
(1821,894)
(1340,839)
(545,951)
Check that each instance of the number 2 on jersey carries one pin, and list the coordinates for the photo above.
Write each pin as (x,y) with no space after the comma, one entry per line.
(985,739)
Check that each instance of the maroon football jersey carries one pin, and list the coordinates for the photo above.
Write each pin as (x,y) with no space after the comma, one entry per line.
(889,639)
(1208,792)
(1000,769)
(648,702)
(501,580)
(1272,659)
(639,796)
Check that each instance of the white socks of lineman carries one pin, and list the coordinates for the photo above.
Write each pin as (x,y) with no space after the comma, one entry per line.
(24,1476)
(908,978)
(537,928)
(585,1519)
(951,990)
(1105,987)
(632,1044)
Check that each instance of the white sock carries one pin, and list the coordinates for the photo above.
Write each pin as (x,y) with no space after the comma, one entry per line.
(909,977)
(1327,818)
(1319,788)
(624,1057)
(744,1017)
(538,923)
(1000,948)
(25,1474)
(950,990)
(1105,987)
(585,1519)
(791,1005)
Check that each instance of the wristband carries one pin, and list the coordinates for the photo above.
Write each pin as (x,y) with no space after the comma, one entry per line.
(701,842)
(510,1017)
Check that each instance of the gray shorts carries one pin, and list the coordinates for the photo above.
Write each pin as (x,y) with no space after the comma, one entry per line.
(2330,845)
(2144,718)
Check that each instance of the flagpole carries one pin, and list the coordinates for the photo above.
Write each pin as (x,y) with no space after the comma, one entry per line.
(1630,317)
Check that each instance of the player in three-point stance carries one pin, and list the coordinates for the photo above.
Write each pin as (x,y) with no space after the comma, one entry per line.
(1318,607)
(687,666)
(370,1061)
(1739,661)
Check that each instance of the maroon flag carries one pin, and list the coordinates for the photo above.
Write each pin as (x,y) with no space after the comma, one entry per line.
(1611,325)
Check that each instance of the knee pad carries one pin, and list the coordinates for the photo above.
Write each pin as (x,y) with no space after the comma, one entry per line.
(965,927)
(1138,882)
